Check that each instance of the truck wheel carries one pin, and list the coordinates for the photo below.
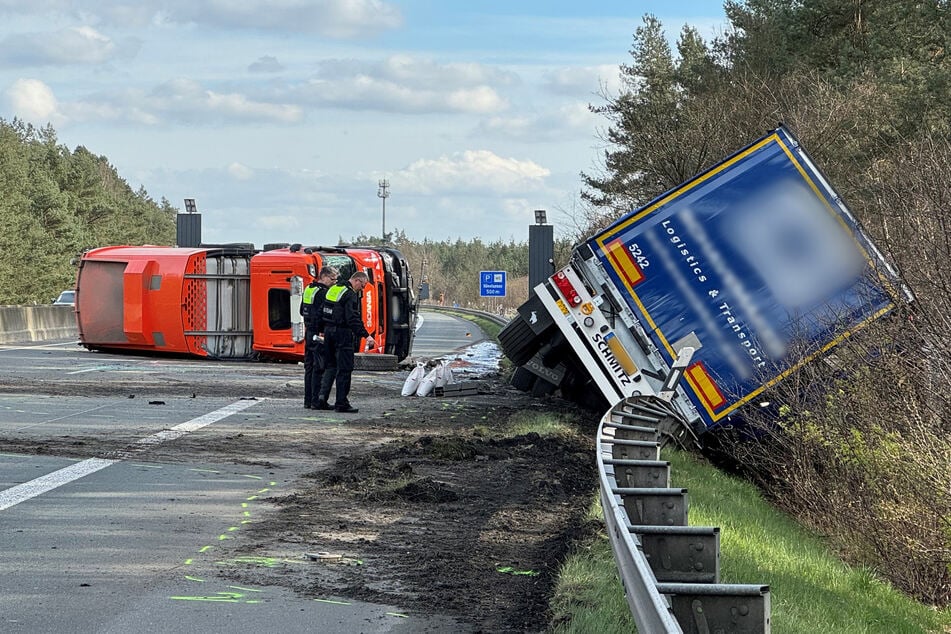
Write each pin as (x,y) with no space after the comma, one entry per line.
(543,387)
(522,379)
(375,362)
(556,351)
(518,342)
(583,391)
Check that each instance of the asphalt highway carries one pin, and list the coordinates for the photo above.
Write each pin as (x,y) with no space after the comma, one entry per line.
(97,539)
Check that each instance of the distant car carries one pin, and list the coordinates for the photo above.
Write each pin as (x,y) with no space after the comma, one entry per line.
(66,298)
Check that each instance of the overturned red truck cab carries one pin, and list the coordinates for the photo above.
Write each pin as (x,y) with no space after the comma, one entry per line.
(233,301)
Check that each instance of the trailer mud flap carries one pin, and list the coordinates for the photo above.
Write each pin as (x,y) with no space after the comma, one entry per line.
(536,315)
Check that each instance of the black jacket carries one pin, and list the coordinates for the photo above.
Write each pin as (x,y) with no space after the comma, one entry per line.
(311,311)
(341,308)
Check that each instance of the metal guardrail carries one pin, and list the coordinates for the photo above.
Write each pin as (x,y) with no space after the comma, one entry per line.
(496,319)
(670,571)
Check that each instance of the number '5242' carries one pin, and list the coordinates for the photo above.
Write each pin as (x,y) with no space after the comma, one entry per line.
(639,256)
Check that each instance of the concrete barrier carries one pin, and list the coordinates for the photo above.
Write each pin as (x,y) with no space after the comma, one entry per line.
(37,323)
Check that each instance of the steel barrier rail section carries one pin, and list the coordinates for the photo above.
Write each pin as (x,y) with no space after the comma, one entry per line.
(670,571)
(501,321)
(648,606)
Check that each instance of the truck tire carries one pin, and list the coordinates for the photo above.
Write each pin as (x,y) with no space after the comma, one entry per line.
(556,350)
(518,342)
(375,362)
(543,387)
(522,380)
(580,389)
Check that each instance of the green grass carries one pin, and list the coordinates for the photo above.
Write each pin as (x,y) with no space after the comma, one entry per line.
(588,594)
(810,589)
(544,424)
(541,423)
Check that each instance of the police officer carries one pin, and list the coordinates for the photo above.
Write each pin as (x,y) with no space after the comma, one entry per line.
(310,307)
(343,328)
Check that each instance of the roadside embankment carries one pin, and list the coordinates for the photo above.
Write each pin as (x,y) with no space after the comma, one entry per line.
(36,323)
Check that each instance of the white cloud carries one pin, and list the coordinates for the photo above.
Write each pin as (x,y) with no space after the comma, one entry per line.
(234,106)
(368,93)
(329,18)
(572,119)
(414,72)
(472,171)
(72,46)
(240,172)
(580,80)
(34,101)
(420,72)
(403,83)
(479,99)
(266,64)
(178,100)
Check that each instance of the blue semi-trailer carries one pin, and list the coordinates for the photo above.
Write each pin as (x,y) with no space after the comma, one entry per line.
(707,295)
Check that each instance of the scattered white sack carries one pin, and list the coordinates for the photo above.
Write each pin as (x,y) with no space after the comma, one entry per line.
(450,379)
(443,374)
(413,380)
(428,383)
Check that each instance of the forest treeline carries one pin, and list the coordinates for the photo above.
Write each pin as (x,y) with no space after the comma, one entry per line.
(55,203)
(450,268)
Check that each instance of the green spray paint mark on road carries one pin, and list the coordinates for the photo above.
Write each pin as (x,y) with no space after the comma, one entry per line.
(512,571)
(266,562)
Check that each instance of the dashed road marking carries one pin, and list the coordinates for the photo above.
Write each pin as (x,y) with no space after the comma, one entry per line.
(38,486)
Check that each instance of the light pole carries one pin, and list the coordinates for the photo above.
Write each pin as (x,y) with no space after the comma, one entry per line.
(383,192)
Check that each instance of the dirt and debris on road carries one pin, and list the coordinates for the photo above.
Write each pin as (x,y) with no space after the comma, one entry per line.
(428,504)
(448,517)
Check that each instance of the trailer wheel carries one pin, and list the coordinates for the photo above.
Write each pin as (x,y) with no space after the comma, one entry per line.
(518,342)
(375,362)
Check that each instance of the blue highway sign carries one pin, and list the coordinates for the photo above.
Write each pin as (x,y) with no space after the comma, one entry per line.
(491,283)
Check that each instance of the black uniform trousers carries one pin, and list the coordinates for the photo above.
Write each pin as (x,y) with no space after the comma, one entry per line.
(313,367)
(339,350)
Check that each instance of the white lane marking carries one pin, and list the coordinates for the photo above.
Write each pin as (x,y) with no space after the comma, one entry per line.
(28,490)
(419,322)
(196,423)
(83,371)
(33,488)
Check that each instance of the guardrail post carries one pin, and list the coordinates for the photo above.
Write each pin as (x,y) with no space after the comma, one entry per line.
(635,450)
(686,554)
(670,571)
(704,609)
(660,507)
(641,474)
(620,430)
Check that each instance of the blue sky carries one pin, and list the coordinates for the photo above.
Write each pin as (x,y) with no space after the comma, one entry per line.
(281,116)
